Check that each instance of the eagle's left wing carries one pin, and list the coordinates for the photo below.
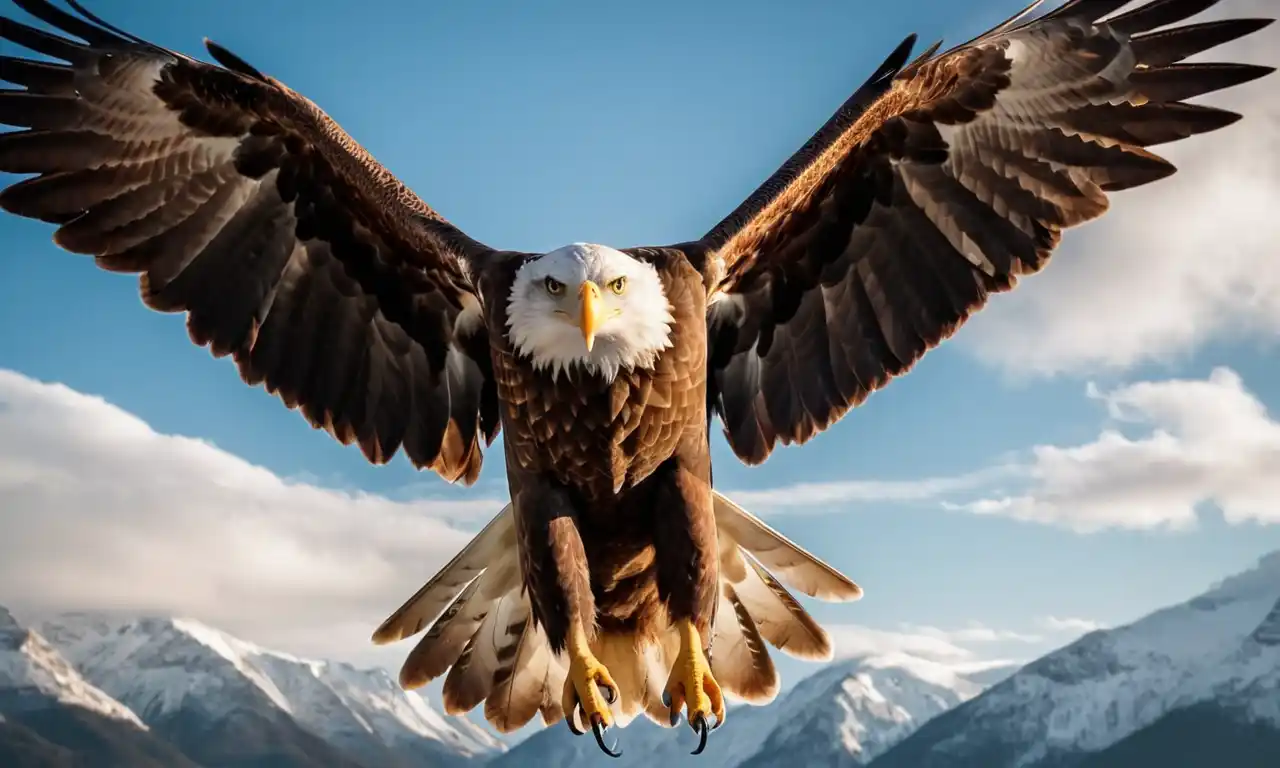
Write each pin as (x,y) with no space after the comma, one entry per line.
(241,203)
(937,185)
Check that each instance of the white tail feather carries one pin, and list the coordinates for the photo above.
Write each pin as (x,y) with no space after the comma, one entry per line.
(530,683)
(627,662)
(739,659)
(490,545)
(443,644)
(485,638)
(471,679)
(790,563)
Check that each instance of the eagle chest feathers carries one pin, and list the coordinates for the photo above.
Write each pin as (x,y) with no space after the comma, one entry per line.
(603,420)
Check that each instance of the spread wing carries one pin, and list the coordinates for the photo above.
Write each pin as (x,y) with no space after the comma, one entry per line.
(241,203)
(936,185)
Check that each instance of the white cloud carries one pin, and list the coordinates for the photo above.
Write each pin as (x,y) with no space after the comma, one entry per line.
(948,647)
(1070,624)
(1169,447)
(102,512)
(1208,441)
(851,640)
(1173,264)
(829,497)
(973,633)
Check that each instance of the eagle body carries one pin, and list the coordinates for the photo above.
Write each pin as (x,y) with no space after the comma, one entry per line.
(602,436)
(624,457)
(618,581)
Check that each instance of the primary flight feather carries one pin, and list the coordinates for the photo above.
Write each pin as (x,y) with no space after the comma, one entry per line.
(616,582)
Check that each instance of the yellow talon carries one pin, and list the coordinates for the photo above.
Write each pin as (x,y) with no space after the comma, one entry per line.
(589,689)
(692,686)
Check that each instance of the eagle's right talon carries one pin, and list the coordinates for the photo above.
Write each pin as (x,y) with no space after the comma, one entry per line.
(598,730)
(700,727)
(589,692)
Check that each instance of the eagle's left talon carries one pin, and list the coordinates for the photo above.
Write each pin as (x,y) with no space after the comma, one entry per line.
(692,687)
(589,691)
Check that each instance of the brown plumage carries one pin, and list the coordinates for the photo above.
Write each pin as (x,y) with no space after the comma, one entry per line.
(938,183)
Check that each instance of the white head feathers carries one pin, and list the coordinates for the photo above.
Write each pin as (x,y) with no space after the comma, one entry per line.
(590,306)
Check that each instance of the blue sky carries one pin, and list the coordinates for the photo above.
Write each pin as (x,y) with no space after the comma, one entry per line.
(531,126)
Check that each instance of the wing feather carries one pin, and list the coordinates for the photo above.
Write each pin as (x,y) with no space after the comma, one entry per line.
(941,182)
(242,204)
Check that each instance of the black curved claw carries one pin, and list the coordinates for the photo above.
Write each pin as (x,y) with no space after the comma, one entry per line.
(571,720)
(609,693)
(597,729)
(700,727)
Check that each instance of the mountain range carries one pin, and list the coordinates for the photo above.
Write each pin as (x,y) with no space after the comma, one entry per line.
(850,710)
(1194,685)
(194,696)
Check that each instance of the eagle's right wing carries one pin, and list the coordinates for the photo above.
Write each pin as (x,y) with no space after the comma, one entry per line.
(940,183)
(241,203)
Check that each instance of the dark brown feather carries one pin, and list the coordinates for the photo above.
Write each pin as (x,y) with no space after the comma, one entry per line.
(1169,46)
(610,479)
(243,205)
(878,240)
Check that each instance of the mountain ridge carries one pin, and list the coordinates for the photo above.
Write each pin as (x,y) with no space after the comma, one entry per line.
(1190,685)
(181,672)
(91,689)
(1214,655)
(50,715)
(867,702)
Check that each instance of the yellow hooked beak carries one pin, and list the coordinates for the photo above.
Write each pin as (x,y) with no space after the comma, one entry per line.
(589,311)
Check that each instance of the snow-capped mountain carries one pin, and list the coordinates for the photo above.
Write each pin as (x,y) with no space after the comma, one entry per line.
(1218,652)
(178,670)
(45,701)
(847,713)
(851,712)
(34,674)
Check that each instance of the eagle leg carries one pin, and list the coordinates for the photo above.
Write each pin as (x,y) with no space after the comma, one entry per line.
(588,690)
(691,685)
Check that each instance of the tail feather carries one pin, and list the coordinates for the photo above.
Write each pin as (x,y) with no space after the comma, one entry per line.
(497,540)
(444,643)
(794,566)
(482,636)
(494,645)
(740,659)
(640,680)
(780,618)
(529,684)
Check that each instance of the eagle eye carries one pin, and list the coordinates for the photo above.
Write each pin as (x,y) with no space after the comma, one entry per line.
(554,286)
(618,285)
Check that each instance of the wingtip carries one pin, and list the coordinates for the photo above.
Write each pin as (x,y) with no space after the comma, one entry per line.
(231,61)
(410,680)
(850,594)
(386,634)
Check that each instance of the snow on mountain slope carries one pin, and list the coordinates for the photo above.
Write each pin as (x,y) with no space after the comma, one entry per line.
(847,711)
(853,711)
(1221,648)
(160,666)
(32,670)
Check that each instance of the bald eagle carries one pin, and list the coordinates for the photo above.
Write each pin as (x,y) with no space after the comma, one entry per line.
(617,581)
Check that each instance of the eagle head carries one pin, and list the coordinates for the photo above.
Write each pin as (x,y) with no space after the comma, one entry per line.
(589,306)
